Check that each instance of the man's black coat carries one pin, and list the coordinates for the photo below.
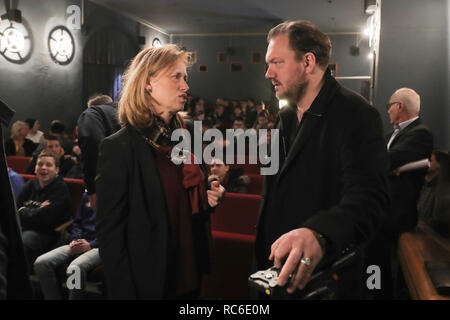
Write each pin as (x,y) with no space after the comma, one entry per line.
(94,125)
(14,282)
(413,143)
(332,177)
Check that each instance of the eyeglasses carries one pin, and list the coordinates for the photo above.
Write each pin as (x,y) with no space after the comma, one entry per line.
(388,106)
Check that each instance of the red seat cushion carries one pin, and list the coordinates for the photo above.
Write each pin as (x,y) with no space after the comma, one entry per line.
(231,266)
(237,214)
(17,163)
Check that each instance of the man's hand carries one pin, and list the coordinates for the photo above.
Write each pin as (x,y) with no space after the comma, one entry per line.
(79,246)
(44,204)
(215,193)
(292,247)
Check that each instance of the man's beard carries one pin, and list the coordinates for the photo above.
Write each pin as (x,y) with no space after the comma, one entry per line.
(296,93)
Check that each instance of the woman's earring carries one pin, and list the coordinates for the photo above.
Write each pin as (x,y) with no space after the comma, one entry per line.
(149,90)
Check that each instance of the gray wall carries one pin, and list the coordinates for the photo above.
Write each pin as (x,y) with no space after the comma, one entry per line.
(42,89)
(220,82)
(414,53)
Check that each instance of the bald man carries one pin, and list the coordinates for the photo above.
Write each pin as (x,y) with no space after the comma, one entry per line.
(410,141)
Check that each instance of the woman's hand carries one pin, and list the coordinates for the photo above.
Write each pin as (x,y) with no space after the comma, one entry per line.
(215,194)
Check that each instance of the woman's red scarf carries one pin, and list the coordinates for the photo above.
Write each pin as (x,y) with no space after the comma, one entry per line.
(193,177)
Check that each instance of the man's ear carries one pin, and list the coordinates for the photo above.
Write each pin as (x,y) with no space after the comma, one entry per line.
(310,61)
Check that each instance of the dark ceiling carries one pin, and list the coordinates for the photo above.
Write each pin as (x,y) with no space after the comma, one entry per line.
(241,16)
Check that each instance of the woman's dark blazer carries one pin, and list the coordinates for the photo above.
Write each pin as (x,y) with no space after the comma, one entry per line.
(132,219)
(28,145)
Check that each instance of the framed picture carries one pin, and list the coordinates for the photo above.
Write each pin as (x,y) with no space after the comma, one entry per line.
(256,57)
(222,57)
(236,67)
(202,68)
(333,68)
(192,57)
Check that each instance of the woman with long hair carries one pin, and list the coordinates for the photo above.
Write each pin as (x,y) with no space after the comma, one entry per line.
(152,215)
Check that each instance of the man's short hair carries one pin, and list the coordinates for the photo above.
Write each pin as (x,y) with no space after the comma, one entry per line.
(304,37)
(56,126)
(99,99)
(31,122)
(54,138)
(410,98)
(49,154)
(239,119)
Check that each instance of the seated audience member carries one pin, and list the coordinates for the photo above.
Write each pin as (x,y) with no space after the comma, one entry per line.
(34,134)
(261,106)
(231,179)
(237,113)
(53,145)
(81,252)
(197,112)
(18,144)
(261,121)
(44,204)
(221,118)
(439,215)
(16,182)
(425,204)
(57,128)
(250,113)
(239,123)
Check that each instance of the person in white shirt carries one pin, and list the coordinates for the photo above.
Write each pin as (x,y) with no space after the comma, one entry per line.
(35,134)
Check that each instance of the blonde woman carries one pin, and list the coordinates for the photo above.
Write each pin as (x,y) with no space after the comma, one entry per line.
(152,215)
(18,144)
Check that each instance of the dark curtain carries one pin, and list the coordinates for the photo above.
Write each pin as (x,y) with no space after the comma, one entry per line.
(105,57)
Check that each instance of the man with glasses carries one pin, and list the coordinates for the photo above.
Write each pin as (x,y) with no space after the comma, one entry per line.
(410,141)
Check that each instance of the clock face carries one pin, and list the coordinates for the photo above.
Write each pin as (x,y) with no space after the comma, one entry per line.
(61,45)
(15,41)
(156,43)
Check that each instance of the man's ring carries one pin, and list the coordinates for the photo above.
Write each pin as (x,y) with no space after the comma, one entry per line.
(306,261)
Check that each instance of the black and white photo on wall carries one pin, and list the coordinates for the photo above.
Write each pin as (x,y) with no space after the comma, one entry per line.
(222,57)
(256,57)
(236,67)
(333,68)
(192,57)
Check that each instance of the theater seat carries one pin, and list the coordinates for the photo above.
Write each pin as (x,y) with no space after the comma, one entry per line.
(231,265)
(76,188)
(17,163)
(256,184)
(237,214)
